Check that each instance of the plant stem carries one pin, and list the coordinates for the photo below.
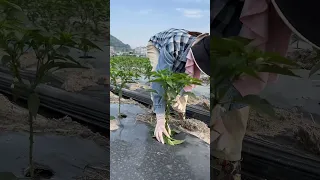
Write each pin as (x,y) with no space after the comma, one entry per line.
(31,145)
(119,105)
(167,112)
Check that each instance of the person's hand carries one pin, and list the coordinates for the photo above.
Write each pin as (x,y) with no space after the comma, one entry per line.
(180,105)
(160,128)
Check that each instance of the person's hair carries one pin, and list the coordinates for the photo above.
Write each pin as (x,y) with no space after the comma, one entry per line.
(194,33)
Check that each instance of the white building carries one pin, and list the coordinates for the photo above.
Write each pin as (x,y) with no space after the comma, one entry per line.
(112,51)
(141,51)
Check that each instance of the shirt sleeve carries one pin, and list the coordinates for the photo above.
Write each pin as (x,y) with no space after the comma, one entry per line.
(165,62)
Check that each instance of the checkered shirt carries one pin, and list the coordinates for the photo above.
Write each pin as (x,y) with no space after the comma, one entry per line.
(176,42)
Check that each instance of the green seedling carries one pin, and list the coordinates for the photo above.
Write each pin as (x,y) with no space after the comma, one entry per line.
(146,67)
(15,41)
(98,13)
(232,58)
(172,84)
(86,45)
(123,70)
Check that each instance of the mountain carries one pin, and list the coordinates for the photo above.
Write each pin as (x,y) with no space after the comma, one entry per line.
(119,45)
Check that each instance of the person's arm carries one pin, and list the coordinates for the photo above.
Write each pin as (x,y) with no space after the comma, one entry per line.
(165,62)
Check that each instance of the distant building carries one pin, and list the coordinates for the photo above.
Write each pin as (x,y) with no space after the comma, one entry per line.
(112,51)
(141,51)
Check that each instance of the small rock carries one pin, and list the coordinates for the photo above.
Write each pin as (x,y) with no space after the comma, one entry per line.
(114,125)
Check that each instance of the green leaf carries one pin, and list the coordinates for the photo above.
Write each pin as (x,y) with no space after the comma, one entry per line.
(63,50)
(190,94)
(112,118)
(33,104)
(87,42)
(170,83)
(276,58)
(167,140)
(259,104)
(64,65)
(152,91)
(314,69)
(171,141)
(9,4)
(174,132)
(66,57)
(177,142)
(224,46)
(5,59)
(241,40)
(7,176)
(250,72)
(277,70)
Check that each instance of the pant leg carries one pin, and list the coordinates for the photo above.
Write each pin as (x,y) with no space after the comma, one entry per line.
(229,127)
(228,143)
(153,55)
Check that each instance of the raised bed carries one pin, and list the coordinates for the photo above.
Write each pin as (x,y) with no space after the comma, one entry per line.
(75,105)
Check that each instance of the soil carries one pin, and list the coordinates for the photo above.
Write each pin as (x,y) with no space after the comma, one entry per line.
(205,79)
(15,118)
(299,127)
(201,101)
(75,80)
(306,58)
(27,60)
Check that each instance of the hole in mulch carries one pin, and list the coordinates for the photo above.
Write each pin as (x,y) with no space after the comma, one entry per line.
(121,115)
(87,57)
(40,171)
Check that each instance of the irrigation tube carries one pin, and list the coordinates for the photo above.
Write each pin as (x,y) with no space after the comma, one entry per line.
(78,106)
(191,112)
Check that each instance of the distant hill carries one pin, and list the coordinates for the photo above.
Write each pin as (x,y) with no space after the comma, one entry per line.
(119,45)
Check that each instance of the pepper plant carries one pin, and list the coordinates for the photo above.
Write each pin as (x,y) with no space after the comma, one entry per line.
(123,70)
(51,53)
(146,67)
(172,84)
(85,46)
(232,58)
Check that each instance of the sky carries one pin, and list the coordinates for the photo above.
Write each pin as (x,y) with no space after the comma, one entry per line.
(134,21)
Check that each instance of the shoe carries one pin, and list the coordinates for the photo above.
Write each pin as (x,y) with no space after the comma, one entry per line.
(226,170)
